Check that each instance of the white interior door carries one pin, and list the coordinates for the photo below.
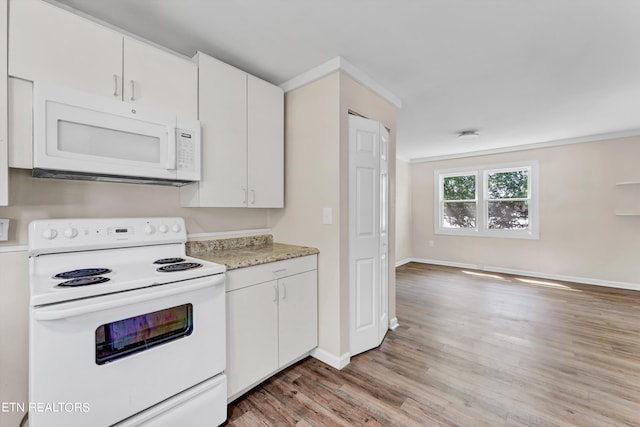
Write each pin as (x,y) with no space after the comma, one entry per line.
(383,313)
(364,234)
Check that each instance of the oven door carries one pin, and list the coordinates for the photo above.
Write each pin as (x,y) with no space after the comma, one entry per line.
(98,361)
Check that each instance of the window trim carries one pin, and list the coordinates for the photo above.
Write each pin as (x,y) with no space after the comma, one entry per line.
(482,202)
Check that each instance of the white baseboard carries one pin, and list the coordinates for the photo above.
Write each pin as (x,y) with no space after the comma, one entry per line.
(337,362)
(393,323)
(573,279)
(403,262)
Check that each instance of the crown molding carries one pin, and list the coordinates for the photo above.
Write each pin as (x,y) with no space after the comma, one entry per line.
(533,146)
(340,64)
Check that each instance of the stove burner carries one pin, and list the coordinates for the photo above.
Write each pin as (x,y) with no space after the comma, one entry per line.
(83,272)
(84,281)
(178,267)
(169,260)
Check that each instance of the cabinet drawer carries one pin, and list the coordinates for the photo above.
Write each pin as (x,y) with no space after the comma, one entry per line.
(243,277)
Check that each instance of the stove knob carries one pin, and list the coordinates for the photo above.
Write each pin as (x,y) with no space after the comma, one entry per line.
(149,229)
(176,228)
(70,232)
(163,229)
(49,234)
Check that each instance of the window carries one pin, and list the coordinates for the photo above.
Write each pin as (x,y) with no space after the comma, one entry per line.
(497,201)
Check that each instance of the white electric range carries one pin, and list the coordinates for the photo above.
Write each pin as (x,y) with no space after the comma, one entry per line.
(125,329)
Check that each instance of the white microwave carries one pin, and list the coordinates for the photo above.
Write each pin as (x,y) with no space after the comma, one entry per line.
(84,136)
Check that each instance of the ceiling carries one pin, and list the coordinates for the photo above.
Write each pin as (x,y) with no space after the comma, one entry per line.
(518,71)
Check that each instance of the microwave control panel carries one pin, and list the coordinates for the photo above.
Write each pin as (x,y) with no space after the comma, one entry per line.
(186,155)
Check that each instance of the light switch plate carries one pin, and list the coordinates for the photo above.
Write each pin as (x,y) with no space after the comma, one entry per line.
(327,216)
(4,230)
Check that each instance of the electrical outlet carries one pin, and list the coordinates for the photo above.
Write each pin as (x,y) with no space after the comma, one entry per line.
(431,243)
(4,230)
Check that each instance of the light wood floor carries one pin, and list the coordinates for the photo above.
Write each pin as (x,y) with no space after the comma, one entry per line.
(474,350)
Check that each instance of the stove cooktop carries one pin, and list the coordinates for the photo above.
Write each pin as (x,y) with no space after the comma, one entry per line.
(83,258)
(65,277)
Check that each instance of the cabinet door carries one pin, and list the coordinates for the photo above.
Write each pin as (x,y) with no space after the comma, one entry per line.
(49,43)
(265,144)
(222,101)
(298,315)
(159,79)
(252,335)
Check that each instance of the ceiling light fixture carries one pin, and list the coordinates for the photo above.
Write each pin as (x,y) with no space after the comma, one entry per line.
(468,135)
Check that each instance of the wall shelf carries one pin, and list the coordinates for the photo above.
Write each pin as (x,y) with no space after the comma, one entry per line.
(627,198)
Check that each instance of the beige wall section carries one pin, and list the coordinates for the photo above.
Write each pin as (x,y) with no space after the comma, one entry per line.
(316,177)
(357,98)
(580,235)
(312,182)
(403,211)
(38,198)
(14,333)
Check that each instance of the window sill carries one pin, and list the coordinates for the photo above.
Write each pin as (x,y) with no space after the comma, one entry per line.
(504,234)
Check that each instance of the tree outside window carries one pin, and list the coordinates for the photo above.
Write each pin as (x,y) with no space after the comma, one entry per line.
(459,201)
(497,201)
(507,199)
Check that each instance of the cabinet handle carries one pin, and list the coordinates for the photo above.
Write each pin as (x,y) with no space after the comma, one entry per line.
(275,293)
(133,88)
(253,197)
(284,291)
(282,270)
(245,196)
(115,85)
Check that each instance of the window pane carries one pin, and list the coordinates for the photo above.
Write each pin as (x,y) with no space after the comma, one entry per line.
(508,215)
(459,187)
(508,185)
(459,215)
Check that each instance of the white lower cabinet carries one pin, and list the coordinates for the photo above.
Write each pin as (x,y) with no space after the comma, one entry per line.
(272,319)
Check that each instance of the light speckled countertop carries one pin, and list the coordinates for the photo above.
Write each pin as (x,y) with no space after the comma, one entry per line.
(246,251)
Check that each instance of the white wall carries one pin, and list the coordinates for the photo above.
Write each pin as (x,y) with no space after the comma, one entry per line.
(403,211)
(581,238)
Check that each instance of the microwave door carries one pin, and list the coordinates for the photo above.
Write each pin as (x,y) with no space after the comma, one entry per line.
(112,140)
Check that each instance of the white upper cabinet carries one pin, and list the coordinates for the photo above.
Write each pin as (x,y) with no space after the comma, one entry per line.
(53,44)
(242,121)
(265,141)
(49,43)
(223,116)
(155,78)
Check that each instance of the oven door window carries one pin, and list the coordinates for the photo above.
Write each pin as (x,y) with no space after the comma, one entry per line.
(127,336)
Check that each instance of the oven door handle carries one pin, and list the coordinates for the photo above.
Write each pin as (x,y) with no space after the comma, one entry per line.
(128,299)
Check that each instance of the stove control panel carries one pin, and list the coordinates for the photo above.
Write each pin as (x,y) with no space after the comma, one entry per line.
(67,235)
